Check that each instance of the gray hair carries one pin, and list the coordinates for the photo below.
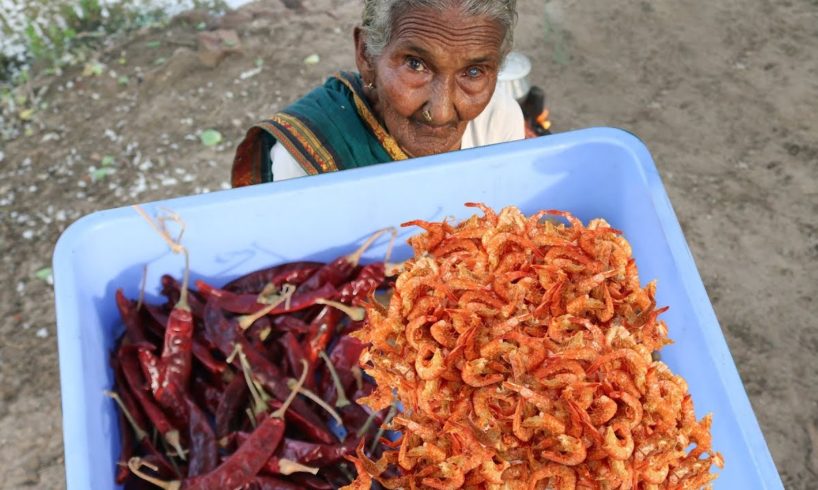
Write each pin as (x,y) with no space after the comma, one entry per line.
(380,15)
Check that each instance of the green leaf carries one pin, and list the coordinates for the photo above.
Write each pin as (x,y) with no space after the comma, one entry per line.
(123,80)
(93,68)
(312,59)
(108,161)
(210,137)
(153,44)
(259,62)
(26,114)
(160,61)
(201,26)
(101,173)
(45,274)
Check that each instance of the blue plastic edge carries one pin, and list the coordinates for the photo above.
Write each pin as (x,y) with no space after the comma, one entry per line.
(77,464)
(693,284)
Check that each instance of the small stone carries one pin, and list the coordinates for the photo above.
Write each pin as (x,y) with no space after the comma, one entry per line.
(42,333)
(214,46)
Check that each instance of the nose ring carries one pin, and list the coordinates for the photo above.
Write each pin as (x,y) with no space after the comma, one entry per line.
(427,114)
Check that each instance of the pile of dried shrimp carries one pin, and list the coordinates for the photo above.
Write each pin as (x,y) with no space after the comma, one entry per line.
(521,350)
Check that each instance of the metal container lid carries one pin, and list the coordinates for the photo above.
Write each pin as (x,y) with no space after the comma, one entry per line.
(517,66)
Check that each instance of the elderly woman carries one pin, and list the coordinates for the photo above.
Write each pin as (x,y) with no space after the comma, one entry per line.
(426,85)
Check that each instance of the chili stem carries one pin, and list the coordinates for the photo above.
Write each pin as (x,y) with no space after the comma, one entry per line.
(359,377)
(321,403)
(353,312)
(288,467)
(355,257)
(365,428)
(341,400)
(172,437)
(175,246)
(142,287)
(170,458)
(182,303)
(279,414)
(259,402)
(233,354)
(393,410)
(268,294)
(136,463)
(393,268)
(286,293)
(140,434)
(343,468)
(389,247)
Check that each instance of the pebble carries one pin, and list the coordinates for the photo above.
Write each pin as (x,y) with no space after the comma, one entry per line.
(42,333)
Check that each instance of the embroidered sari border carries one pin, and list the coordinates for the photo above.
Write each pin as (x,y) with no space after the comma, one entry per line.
(388,142)
(301,142)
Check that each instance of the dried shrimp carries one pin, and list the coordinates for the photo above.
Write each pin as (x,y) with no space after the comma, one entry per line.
(521,349)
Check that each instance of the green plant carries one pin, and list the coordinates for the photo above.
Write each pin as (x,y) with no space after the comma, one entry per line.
(62,32)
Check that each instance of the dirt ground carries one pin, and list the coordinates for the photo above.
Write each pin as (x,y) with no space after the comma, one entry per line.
(725,95)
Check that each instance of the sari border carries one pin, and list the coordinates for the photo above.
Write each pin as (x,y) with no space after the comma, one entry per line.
(301,142)
(388,142)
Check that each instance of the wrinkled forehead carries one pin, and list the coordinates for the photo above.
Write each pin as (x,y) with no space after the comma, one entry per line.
(448,30)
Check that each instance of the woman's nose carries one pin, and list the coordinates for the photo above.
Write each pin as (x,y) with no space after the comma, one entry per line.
(441,102)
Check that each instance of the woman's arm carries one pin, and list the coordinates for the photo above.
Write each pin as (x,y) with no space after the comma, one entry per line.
(284,165)
(502,120)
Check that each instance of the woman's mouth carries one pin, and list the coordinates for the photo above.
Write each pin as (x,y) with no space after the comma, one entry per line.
(434,131)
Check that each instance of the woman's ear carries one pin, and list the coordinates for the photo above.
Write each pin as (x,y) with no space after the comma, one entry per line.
(365,67)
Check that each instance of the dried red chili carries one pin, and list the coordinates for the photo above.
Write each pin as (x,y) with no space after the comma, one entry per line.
(234,397)
(237,470)
(204,453)
(203,365)
(270,483)
(133,376)
(289,273)
(134,329)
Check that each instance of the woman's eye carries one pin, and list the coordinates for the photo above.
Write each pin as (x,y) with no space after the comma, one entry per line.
(474,72)
(415,64)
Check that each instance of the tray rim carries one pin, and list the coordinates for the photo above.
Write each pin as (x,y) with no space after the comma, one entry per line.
(69,344)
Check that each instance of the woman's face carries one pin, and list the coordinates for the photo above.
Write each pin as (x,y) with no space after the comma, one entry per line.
(441,62)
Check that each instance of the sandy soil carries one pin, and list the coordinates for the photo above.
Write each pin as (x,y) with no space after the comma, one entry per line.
(725,94)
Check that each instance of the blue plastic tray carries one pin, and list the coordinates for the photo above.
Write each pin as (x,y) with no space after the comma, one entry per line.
(592,173)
